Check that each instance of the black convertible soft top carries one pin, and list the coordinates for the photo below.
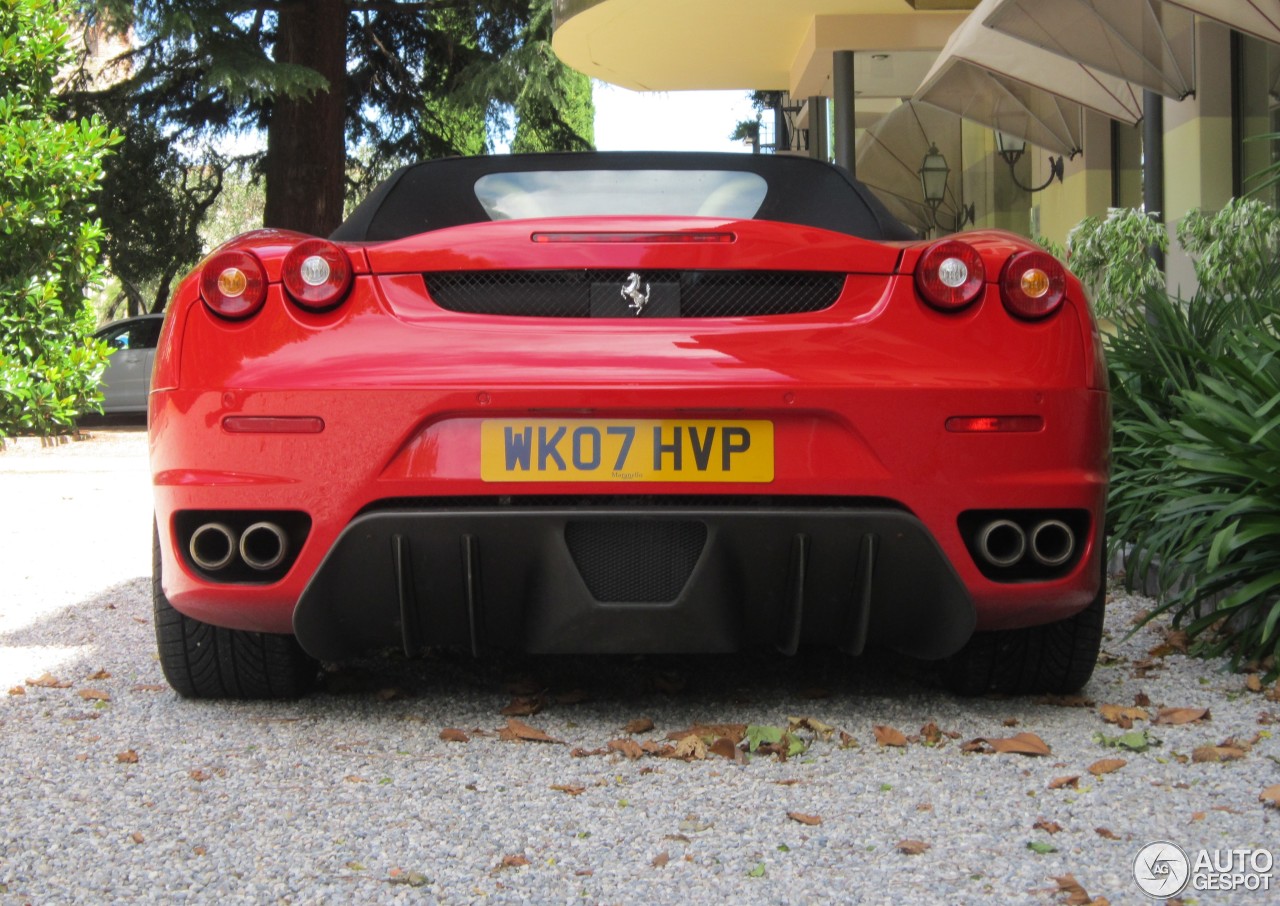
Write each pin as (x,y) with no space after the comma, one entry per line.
(442,193)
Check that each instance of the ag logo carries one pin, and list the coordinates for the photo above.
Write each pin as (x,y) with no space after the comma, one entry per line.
(1161,870)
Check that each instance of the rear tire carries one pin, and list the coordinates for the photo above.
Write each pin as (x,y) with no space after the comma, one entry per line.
(1056,658)
(204,661)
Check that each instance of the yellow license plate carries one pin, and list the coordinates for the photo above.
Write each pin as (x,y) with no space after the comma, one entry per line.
(618,450)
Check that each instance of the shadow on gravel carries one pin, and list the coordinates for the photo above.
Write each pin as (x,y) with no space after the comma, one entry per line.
(113,631)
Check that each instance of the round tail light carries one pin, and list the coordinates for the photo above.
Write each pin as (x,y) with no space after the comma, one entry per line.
(1033,285)
(316,274)
(950,275)
(233,284)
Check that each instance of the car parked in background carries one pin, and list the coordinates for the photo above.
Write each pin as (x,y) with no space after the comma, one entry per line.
(628,403)
(126,380)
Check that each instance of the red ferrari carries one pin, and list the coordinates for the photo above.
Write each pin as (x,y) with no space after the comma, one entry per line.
(627,403)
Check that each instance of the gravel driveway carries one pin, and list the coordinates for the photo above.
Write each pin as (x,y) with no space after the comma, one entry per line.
(113,789)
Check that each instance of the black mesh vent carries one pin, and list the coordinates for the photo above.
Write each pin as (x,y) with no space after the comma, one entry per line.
(639,562)
(699,294)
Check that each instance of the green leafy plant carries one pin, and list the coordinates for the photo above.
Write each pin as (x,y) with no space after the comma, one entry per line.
(49,364)
(1195,494)
(1111,255)
(1233,248)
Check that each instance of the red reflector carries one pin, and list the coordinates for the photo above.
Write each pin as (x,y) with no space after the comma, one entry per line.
(991,424)
(696,238)
(272,424)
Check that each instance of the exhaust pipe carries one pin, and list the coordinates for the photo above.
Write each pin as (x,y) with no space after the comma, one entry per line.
(1002,543)
(263,546)
(1052,542)
(212,547)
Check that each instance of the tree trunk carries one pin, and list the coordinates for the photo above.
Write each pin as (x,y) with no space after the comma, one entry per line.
(306,139)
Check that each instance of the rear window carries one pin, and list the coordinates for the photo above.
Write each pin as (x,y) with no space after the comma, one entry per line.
(586,193)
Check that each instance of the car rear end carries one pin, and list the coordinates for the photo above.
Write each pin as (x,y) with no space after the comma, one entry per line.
(821,445)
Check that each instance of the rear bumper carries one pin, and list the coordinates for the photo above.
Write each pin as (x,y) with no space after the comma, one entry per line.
(620,579)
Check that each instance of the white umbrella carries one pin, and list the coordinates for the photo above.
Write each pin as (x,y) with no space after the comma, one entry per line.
(1260,18)
(1009,85)
(889,156)
(1147,42)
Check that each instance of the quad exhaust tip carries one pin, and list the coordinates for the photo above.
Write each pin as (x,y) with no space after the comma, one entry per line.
(212,547)
(1002,543)
(1052,542)
(262,546)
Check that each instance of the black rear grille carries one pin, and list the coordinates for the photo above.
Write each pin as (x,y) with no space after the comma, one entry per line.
(698,294)
(640,562)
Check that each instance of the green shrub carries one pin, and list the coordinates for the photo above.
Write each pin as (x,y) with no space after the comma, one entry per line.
(1111,257)
(49,365)
(1195,490)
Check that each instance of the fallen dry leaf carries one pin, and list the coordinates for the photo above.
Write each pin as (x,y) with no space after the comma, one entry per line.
(802,818)
(1175,642)
(523,706)
(1020,744)
(725,748)
(94,695)
(1210,754)
(1072,781)
(691,748)
(1270,796)
(1106,766)
(812,724)
(17,690)
(736,732)
(1253,682)
(1106,833)
(127,757)
(519,731)
(354,778)
(200,850)
(628,747)
(931,734)
(660,860)
(514,861)
(912,847)
(1198,816)
(98,675)
(1076,895)
(49,681)
(1049,827)
(136,837)
(1176,716)
(1141,700)
(453,734)
(149,687)
(639,725)
(573,789)
(199,776)
(888,736)
(1122,716)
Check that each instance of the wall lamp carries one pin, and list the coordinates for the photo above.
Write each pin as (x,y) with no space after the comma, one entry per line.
(933,182)
(1011,149)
